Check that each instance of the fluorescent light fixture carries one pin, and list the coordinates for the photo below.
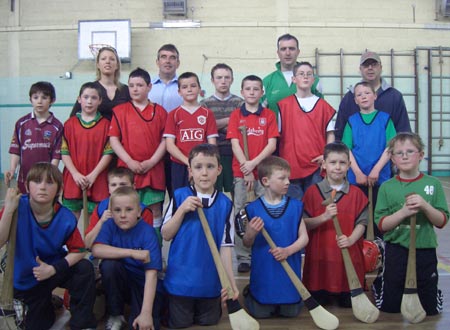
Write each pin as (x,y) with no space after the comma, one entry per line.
(175,24)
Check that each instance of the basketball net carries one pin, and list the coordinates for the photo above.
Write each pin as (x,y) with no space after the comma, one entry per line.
(95,48)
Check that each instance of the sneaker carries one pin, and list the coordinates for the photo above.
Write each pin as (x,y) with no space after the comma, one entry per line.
(115,323)
(244,267)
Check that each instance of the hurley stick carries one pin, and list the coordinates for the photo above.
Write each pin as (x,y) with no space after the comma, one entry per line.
(370,236)
(362,308)
(411,307)
(6,298)
(85,210)
(250,194)
(239,319)
(321,317)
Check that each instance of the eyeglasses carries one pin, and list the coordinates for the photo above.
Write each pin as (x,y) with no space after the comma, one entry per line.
(401,154)
(373,64)
(305,74)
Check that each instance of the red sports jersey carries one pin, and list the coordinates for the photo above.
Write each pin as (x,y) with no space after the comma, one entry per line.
(261,126)
(324,267)
(303,134)
(35,142)
(86,146)
(190,130)
(140,133)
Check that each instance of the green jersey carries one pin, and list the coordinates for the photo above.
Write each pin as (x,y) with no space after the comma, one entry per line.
(391,198)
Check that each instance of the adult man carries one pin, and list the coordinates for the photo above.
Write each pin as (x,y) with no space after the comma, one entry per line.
(278,85)
(165,92)
(222,103)
(389,99)
(165,85)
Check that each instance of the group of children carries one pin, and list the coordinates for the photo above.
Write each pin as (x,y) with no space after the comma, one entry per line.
(126,204)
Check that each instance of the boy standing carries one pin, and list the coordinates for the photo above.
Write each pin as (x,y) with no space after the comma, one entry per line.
(117,177)
(131,258)
(324,272)
(49,251)
(193,285)
(136,137)
(37,136)
(187,126)
(271,292)
(367,134)
(305,123)
(222,103)
(261,134)
(410,193)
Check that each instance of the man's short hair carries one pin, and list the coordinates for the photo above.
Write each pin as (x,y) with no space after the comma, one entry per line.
(286,37)
(169,48)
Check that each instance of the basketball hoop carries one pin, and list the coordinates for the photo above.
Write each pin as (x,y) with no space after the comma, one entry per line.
(95,48)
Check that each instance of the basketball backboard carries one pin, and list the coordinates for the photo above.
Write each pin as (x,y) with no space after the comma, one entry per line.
(115,33)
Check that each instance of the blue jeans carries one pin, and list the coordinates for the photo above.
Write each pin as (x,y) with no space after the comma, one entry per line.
(298,187)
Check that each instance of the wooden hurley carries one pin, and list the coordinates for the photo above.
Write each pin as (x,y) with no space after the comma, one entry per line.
(370,235)
(411,307)
(85,210)
(321,317)
(239,319)
(7,296)
(362,308)
(250,194)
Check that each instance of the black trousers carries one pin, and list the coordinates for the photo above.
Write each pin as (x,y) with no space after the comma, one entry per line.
(79,280)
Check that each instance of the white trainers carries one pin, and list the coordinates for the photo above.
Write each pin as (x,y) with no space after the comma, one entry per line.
(115,323)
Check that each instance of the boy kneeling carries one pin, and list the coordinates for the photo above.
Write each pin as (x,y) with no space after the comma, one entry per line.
(131,259)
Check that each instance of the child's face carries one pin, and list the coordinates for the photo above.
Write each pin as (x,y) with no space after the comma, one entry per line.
(365,97)
(43,191)
(406,156)
(115,182)
(222,80)
(252,92)
(138,89)
(41,103)
(336,165)
(278,182)
(303,77)
(89,101)
(204,171)
(126,211)
(189,89)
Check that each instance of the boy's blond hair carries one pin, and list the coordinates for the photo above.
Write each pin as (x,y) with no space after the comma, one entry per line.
(270,164)
(415,139)
(125,191)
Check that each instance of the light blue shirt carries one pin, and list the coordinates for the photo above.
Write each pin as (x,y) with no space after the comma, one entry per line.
(165,94)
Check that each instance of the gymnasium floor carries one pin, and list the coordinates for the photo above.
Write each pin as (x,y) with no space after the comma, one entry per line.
(347,321)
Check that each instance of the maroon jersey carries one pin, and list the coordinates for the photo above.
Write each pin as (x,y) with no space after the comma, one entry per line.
(86,145)
(35,142)
(140,133)
(303,134)
(261,126)
(190,129)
